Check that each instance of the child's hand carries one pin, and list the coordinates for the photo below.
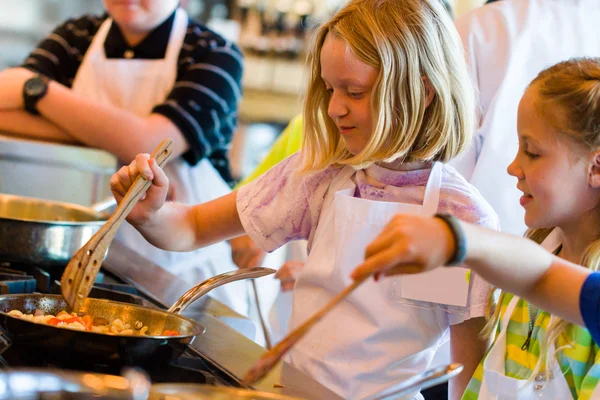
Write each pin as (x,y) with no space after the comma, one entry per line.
(155,196)
(409,244)
(245,253)
(288,273)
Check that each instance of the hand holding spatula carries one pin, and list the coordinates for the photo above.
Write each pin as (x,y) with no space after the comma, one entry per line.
(81,271)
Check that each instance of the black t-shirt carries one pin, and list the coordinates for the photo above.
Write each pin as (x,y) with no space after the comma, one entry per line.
(204,100)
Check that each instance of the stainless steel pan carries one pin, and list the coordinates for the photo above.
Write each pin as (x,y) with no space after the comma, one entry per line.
(45,233)
(67,348)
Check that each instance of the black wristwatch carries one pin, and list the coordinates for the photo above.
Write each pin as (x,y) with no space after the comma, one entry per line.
(34,90)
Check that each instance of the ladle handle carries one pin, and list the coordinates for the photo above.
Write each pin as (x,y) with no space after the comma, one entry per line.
(206,286)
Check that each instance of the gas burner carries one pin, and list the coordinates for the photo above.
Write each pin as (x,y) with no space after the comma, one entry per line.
(16,282)
(16,278)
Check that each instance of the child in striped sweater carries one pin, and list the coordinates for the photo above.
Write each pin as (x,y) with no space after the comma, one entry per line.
(535,354)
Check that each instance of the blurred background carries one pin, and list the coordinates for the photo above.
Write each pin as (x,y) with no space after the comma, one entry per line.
(273,35)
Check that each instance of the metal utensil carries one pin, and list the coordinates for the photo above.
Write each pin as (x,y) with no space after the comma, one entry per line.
(263,324)
(81,271)
(268,360)
(420,381)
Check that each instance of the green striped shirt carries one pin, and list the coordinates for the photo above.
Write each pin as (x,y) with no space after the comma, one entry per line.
(578,357)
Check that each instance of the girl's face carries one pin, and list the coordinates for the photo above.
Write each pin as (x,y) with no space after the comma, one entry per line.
(350,83)
(553,171)
(139,15)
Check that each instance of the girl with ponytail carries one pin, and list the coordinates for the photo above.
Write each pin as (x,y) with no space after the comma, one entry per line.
(534,354)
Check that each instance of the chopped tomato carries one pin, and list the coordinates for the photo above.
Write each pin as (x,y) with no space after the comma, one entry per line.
(87,321)
(168,332)
(74,319)
(63,312)
(53,321)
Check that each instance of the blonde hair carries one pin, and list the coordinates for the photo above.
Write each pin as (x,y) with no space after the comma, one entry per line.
(407,41)
(569,100)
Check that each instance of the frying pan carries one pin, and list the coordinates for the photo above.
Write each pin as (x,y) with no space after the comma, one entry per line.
(60,346)
(46,233)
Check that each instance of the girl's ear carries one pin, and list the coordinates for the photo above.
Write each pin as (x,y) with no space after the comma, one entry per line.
(429,91)
(595,170)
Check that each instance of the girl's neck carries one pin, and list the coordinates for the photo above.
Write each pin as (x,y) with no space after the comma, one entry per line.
(400,166)
(579,235)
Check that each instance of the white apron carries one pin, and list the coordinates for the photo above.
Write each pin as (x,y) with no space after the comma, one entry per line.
(507,44)
(497,386)
(371,340)
(137,85)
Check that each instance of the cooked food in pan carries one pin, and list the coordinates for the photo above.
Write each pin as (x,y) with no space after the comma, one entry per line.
(87,323)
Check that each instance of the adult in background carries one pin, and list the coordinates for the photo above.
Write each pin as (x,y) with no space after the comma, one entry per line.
(125,81)
(508,43)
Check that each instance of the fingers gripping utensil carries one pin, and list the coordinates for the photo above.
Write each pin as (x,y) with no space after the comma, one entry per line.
(268,360)
(80,273)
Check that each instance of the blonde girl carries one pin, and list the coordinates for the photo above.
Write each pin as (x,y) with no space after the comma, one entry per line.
(389,100)
(535,354)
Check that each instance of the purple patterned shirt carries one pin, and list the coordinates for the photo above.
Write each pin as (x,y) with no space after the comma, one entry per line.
(284,205)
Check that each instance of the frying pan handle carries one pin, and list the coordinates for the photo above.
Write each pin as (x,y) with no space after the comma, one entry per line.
(204,287)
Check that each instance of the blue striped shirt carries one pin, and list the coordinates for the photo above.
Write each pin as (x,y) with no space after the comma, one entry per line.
(204,100)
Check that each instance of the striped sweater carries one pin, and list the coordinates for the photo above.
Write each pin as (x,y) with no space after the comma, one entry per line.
(204,101)
(580,362)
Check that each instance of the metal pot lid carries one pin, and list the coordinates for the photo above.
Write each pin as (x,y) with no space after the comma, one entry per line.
(192,391)
(30,209)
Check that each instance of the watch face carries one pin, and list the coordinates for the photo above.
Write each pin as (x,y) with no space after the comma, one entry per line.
(35,86)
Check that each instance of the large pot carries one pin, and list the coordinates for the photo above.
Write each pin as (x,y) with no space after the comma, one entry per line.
(71,348)
(45,233)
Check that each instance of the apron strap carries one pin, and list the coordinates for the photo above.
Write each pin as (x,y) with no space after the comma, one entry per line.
(338,183)
(178,31)
(339,180)
(431,198)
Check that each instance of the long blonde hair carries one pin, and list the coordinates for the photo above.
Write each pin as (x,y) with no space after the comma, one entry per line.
(569,100)
(407,41)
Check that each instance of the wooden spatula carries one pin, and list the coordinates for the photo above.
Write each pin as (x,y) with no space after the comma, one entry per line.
(268,360)
(80,273)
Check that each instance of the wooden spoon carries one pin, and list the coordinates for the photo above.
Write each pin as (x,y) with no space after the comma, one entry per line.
(268,360)
(80,273)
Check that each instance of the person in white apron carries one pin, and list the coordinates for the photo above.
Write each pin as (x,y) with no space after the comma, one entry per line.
(384,333)
(377,319)
(137,85)
(495,383)
(507,44)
